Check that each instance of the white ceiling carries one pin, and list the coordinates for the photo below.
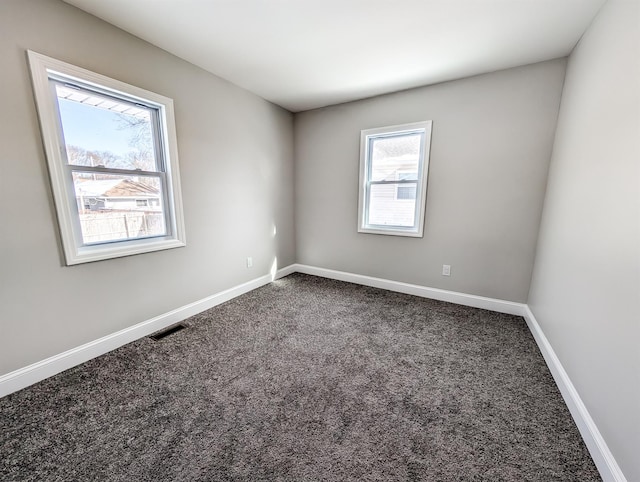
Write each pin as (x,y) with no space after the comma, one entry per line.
(303,54)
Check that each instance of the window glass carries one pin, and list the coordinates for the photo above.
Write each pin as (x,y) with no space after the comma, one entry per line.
(113,164)
(111,207)
(105,131)
(386,209)
(393,153)
(393,179)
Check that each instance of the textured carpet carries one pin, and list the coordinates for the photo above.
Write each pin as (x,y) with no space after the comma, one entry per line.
(305,379)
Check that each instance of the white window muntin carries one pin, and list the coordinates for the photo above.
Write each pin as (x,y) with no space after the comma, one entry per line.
(367,138)
(46,72)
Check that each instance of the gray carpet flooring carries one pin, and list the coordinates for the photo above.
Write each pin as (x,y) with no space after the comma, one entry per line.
(305,379)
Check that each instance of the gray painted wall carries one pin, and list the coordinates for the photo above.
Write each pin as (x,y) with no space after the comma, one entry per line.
(491,144)
(236,160)
(585,291)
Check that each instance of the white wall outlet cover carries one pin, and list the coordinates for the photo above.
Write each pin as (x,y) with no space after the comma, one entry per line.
(446,270)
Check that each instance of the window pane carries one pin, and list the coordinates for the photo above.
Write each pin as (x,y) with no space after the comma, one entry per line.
(395,157)
(386,208)
(116,207)
(105,131)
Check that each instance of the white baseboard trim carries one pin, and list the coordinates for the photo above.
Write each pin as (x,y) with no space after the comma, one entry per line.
(475,301)
(603,458)
(23,377)
(286,271)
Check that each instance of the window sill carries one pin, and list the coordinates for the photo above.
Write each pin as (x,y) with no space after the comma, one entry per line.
(392,232)
(88,254)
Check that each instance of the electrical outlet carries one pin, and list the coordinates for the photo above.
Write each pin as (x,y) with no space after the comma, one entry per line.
(249,262)
(446,270)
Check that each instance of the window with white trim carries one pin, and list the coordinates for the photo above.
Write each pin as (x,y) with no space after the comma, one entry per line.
(394,165)
(113,162)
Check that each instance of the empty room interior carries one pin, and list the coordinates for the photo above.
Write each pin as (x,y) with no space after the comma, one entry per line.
(320,240)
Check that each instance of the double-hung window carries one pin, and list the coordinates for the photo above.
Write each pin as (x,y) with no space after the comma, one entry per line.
(113,163)
(394,165)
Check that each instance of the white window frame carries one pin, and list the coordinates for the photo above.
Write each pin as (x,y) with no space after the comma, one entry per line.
(43,69)
(366,137)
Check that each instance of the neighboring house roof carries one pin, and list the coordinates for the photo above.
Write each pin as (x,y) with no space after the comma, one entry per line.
(115,188)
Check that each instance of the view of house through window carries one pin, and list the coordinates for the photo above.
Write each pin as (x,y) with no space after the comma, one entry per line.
(394,166)
(393,178)
(113,162)
(118,186)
